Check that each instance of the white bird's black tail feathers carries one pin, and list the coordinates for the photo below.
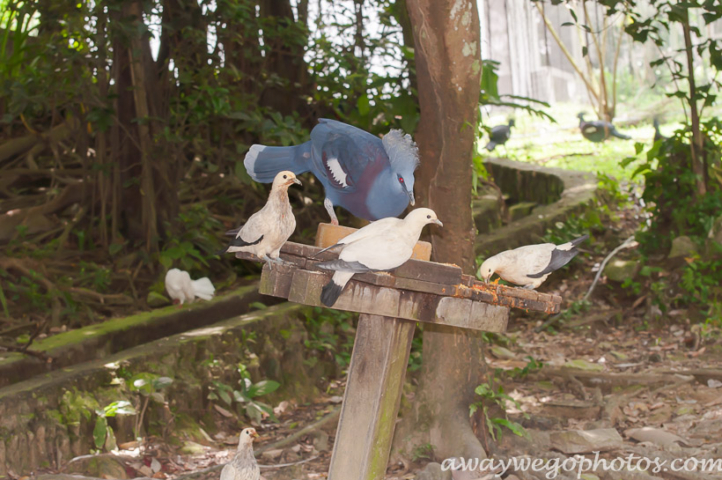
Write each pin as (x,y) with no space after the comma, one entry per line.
(332,290)
(330,293)
(561,257)
(344,266)
(239,242)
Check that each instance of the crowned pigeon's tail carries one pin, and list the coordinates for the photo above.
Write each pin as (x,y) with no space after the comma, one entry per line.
(491,145)
(263,163)
(332,290)
(203,288)
(615,133)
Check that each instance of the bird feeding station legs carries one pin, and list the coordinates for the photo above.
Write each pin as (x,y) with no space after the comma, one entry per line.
(329,208)
(371,401)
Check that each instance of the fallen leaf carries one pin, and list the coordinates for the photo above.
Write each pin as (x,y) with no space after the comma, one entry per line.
(223,411)
(586,441)
(584,365)
(656,436)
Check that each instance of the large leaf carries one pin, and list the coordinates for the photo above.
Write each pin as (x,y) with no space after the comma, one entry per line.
(264,387)
(100,432)
(121,407)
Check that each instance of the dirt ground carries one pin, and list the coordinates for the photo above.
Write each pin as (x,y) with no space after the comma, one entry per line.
(658,387)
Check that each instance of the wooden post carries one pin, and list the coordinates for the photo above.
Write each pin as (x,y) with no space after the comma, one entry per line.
(371,401)
(390,305)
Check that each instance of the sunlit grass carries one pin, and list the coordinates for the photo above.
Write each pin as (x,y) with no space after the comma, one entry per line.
(561,145)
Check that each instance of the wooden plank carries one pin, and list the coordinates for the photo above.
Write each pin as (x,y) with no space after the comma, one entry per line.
(276,282)
(416,276)
(391,302)
(371,401)
(429,272)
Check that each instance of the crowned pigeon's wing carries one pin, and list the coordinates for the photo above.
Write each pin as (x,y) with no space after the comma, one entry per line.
(341,153)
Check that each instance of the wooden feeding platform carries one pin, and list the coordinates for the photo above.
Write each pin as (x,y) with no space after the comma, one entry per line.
(390,304)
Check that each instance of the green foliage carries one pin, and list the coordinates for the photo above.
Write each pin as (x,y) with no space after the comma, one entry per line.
(245,395)
(670,188)
(331,332)
(489,94)
(102,432)
(532,366)
(491,395)
(149,387)
(574,226)
(423,452)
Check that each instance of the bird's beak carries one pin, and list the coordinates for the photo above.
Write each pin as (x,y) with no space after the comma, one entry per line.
(255,434)
(486,280)
(412,200)
(437,221)
(295,180)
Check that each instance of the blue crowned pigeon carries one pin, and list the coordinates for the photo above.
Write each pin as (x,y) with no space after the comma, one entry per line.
(370,177)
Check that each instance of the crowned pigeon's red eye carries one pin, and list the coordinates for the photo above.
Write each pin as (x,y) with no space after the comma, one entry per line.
(401,179)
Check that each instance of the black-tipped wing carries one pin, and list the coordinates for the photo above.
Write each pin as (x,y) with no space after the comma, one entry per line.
(561,255)
(356,267)
(558,260)
(239,242)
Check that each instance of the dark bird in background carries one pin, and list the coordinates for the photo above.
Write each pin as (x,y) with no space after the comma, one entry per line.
(657,134)
(499,135)
(598,130)
(372,178)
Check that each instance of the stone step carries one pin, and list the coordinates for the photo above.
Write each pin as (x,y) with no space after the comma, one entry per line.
(48,420)
(102,339)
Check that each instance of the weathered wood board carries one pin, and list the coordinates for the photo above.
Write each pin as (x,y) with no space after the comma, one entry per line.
(304,287)
(414,276)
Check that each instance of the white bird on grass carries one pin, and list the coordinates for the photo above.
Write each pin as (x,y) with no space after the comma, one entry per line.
(243,466)
(382,245)
(269,228)
(530,266)
(182,289)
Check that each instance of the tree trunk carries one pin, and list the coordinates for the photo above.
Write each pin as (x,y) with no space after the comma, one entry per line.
(448,69)
(283,58)
(147,198)
(697,145)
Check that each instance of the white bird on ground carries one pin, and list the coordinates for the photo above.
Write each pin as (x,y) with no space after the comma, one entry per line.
(382,245)
(268,229)
(243,466)
(182,289)
(530,266)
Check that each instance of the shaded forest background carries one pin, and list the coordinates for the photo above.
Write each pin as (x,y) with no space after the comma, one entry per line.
(132,118)
(123,127)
